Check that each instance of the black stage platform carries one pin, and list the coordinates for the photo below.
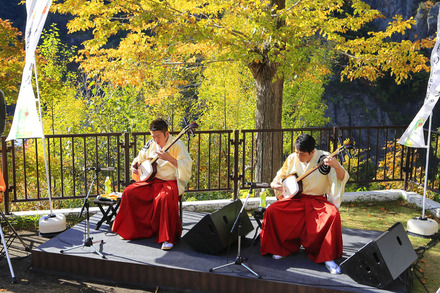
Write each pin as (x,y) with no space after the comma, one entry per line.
(142,262)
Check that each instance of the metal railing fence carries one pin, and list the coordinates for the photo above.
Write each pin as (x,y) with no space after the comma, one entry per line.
(223,160)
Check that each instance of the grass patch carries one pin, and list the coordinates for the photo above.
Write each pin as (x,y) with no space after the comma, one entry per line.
(380,216)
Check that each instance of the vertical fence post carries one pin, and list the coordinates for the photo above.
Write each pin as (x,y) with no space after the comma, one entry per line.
(127,168)
(5,174)
(234,176)
(334,138)
(406,168)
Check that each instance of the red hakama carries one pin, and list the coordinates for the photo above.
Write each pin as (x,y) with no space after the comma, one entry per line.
(310,221)
(148,209)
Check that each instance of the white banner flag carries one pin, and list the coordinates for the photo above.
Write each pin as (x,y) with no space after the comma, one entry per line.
(37,11)
(413,135)
(26,122)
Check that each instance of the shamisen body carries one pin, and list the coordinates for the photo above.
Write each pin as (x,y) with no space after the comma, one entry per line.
(299,163)
(174,164)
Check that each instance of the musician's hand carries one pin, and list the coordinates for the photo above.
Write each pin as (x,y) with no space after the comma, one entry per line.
(134,169)
(332,162)
(164,156)
(277,186)
(167,157)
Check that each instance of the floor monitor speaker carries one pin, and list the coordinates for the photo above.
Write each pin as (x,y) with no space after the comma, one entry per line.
(382,260)
(212,234)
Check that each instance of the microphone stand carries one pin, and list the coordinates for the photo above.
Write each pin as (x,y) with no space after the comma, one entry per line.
(239,259)
(87,239)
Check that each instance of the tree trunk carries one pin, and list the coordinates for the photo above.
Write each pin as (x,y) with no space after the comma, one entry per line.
(269,109)
(269,86)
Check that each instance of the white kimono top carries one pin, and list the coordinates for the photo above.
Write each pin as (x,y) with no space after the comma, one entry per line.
(319,182)
(166,170)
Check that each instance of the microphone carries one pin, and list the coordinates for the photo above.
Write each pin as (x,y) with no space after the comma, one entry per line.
(258,185)
(97,169)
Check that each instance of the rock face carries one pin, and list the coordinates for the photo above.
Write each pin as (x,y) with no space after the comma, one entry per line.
(431,20)
(425,15)
(357,109)
(356,105)
(390,8)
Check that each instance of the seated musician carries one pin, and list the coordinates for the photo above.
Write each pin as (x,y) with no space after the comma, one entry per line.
(310,219)
(150,208)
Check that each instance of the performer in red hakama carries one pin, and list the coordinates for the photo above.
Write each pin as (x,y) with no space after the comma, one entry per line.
(312,218)
(150,208)
(2,186)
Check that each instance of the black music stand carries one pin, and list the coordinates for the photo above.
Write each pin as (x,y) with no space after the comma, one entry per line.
(87,239)
(239,259)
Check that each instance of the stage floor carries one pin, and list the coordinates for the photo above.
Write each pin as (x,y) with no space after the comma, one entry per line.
(142,263)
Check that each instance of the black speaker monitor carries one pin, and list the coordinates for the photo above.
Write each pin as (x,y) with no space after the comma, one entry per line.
(212,234)
(382,260)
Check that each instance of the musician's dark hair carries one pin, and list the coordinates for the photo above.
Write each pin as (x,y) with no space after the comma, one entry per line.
(305,143)
(159,125)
